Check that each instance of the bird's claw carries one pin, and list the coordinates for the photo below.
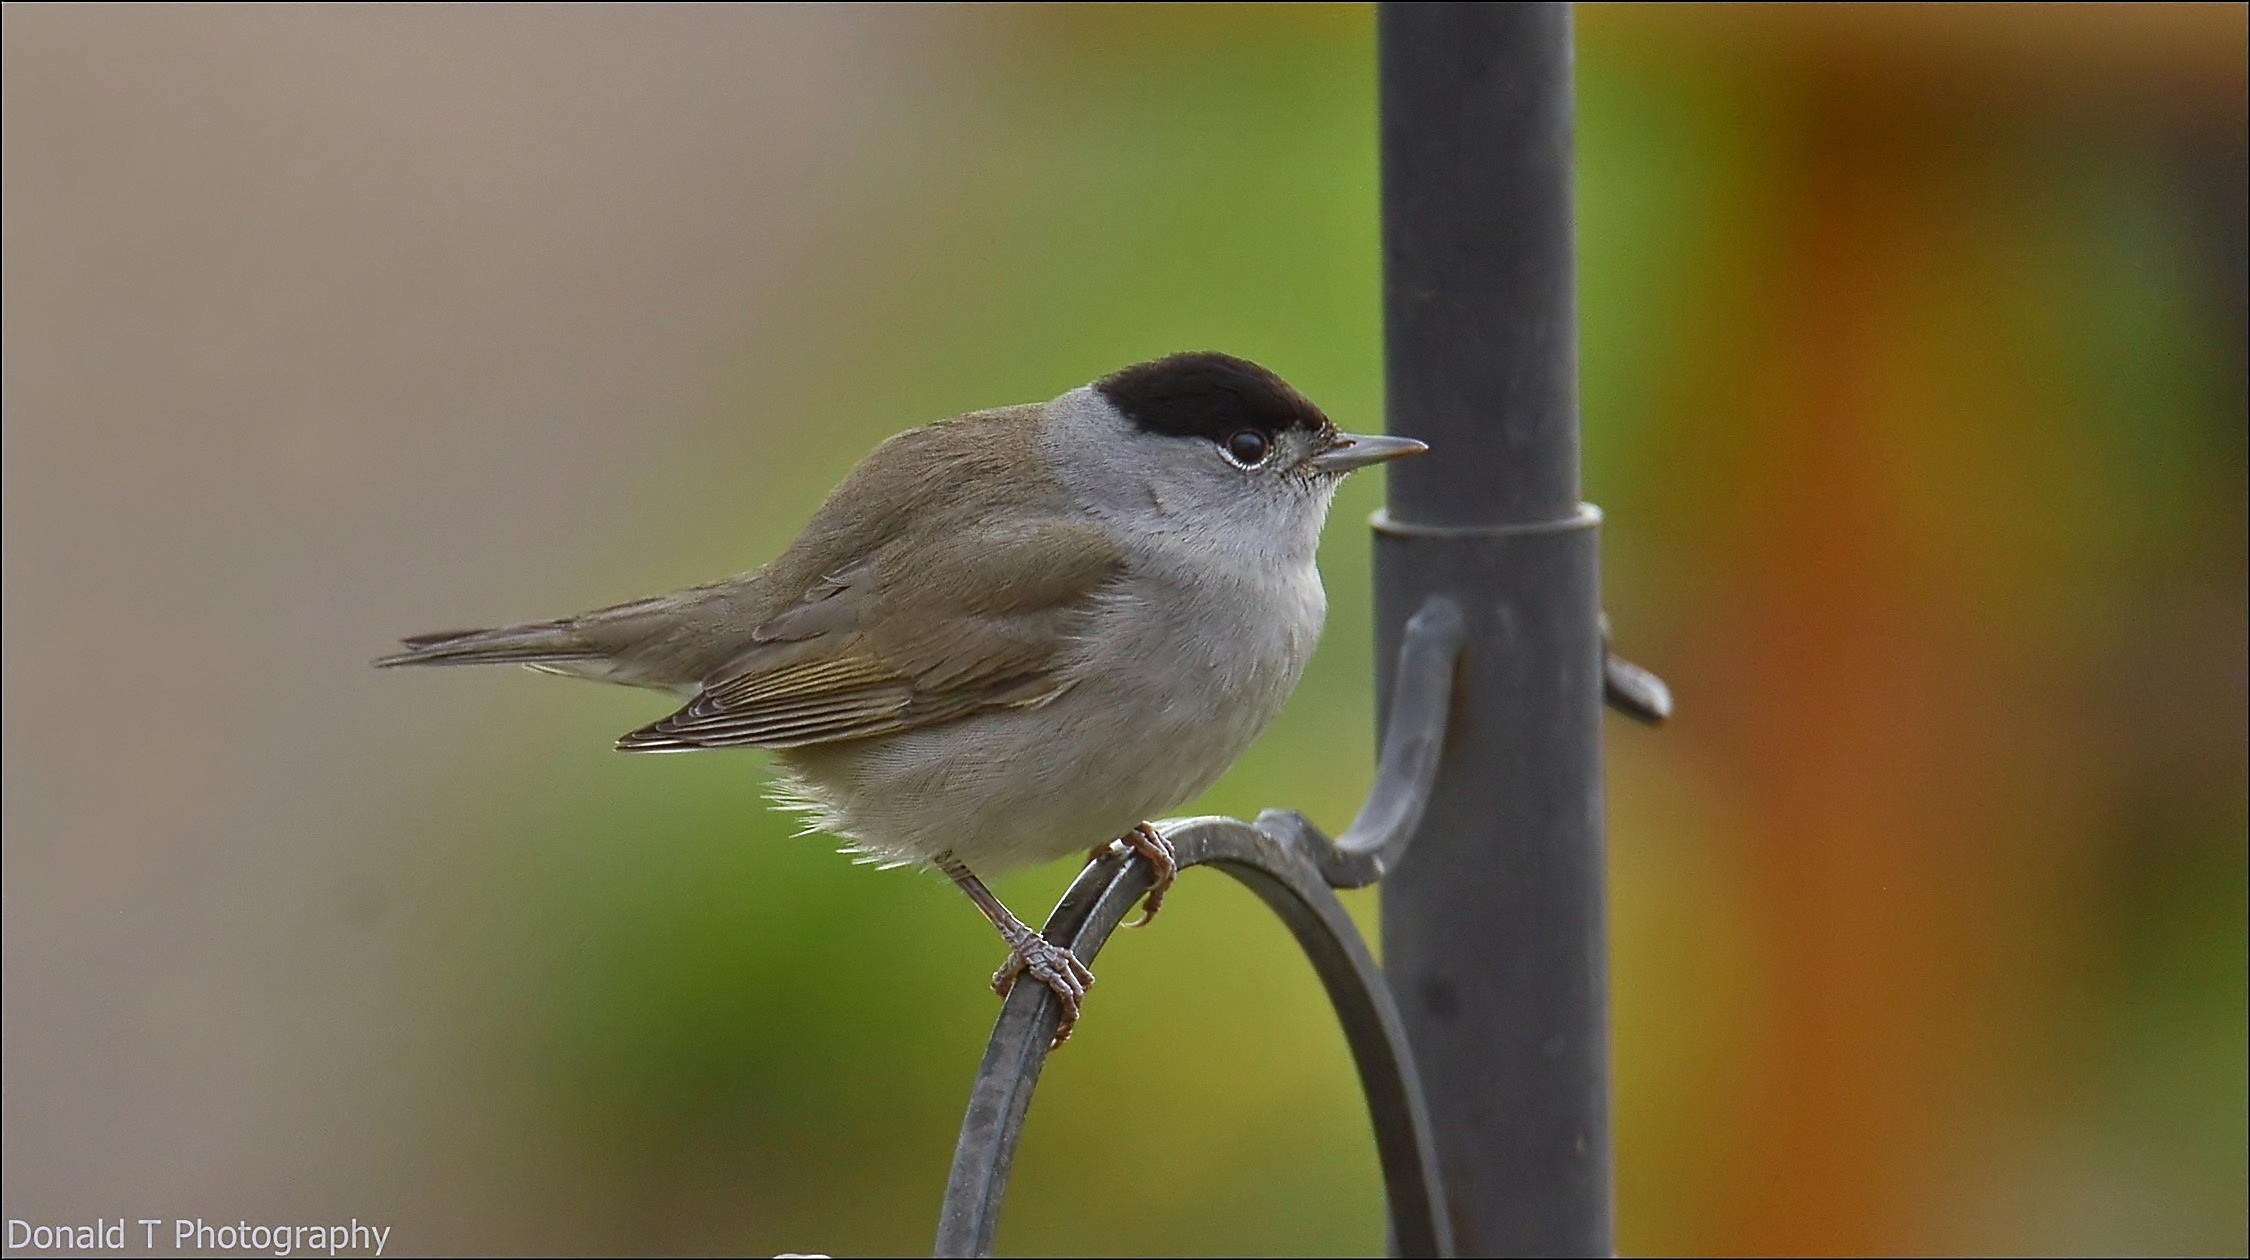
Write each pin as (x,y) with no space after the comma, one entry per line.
(1053,966)
(1150,843)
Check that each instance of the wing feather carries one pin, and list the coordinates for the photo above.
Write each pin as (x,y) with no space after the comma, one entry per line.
(984,617)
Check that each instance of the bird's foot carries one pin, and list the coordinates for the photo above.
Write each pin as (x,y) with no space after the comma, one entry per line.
(1150,843)
(1052,965)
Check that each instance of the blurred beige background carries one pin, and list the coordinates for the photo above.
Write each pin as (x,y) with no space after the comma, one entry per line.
(320,323)
(1913,392)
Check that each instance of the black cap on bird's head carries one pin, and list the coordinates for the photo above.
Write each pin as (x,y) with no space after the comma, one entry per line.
(1203,393)
(1218,397)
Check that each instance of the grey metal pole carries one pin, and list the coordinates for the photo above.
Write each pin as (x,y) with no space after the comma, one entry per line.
(1493,933)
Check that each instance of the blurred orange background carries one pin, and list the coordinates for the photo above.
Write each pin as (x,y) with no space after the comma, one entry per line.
(1914,394)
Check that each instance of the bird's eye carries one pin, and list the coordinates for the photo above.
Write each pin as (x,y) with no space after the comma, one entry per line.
(1247,448)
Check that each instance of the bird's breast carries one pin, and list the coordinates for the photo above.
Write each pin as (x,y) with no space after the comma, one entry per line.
(1188,667)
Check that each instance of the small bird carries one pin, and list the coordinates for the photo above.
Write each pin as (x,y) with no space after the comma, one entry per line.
(1006,635)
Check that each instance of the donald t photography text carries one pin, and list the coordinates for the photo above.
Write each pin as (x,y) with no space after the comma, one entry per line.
(105,1234)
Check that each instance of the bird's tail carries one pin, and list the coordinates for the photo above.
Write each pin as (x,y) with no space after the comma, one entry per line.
(533,643)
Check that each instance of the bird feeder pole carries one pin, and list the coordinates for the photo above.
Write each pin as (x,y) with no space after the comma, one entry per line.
(1493,924)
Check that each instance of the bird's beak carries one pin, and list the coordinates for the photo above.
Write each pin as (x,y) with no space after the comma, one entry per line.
(1352,450)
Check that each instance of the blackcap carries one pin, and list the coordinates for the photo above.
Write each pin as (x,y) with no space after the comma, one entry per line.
(1007,635)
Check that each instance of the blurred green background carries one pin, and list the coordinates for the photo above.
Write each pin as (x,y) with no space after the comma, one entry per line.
(1914,392)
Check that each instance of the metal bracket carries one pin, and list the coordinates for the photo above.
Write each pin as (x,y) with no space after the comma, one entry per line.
(1293,867)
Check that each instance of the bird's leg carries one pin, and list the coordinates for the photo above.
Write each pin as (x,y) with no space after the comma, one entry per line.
(1028,951)
(1150,843)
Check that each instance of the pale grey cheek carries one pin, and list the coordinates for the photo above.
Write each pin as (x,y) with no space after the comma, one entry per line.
(1179,491)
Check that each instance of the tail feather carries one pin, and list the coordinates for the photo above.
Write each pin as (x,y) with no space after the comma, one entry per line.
(668,642)
(531,644)
(438,636)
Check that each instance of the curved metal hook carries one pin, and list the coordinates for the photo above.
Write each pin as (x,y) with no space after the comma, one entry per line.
(1291,866)
(1633,690)
(1413,742)
(1286,880)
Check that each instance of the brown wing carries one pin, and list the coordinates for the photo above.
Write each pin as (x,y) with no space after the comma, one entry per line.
(979,617)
